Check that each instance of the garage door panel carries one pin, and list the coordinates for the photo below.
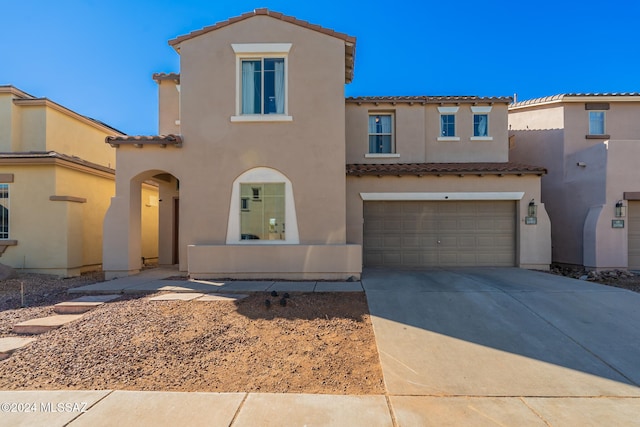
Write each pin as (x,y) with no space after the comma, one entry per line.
(392,258)
(411,241)
(469,233)
(392,241)
(467,241)
(411,258)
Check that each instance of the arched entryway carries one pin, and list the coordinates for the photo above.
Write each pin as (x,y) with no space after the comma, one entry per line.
(141,227)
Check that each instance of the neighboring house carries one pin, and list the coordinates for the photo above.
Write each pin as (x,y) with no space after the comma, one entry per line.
(56,180)
(590,144)
(265,171)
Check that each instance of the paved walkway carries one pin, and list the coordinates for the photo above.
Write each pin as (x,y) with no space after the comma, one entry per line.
(155,280)
(481,347)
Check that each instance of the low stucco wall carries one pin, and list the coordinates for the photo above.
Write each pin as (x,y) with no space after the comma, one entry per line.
(297,262)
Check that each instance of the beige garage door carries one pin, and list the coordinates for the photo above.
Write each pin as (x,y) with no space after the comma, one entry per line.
(439,234)
(633,219)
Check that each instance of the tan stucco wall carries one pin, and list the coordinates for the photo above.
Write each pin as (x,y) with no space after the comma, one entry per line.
(533,241)
(409,126)
(536,118)
(309,150)
(56,237)
(417,128)
(70,136)
(581,199)
(44,126)
(606,247)
(9,123)
(62,237)
(168,107)
(149,207)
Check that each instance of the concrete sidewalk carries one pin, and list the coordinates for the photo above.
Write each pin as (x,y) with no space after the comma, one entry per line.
(152,409)
(155,280)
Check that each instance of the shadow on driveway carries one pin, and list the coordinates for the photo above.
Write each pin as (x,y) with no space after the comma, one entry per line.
(503,332)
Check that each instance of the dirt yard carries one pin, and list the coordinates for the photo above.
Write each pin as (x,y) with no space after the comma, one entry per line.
(317,343)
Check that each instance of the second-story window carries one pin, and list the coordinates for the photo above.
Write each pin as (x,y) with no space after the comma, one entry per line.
(481,130)
(263,86)
(447,125)
(380,133)
(261,82)
(480,125)
(596,122)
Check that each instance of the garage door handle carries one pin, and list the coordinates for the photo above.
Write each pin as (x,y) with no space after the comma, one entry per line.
(438,241)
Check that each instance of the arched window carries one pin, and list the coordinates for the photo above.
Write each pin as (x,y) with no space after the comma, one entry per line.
(262,209)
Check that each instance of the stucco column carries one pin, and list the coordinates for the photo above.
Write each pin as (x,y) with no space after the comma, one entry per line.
(121,243)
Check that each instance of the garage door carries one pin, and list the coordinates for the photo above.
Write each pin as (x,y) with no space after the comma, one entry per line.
(439,234)
(634,234)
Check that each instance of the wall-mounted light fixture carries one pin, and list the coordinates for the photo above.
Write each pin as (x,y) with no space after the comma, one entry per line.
(532,213)
(620,210)
(532,209)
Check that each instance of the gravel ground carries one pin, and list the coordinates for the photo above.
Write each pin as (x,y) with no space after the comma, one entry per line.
(317,343)
(616,278)
(41,292)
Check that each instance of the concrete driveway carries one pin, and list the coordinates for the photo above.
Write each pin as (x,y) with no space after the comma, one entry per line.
(505,346)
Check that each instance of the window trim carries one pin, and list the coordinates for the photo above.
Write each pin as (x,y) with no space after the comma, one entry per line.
(261,51)
(263,175)
(393,134)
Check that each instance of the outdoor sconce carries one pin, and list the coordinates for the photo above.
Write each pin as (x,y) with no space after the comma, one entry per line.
(620,210)
(532,210)
(532,213)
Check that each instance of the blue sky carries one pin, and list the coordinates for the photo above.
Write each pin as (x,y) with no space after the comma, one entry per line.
(97,57)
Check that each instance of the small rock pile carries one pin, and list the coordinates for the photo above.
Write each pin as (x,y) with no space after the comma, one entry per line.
(592,276)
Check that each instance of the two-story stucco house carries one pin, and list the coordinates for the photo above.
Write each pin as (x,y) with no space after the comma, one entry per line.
(590,144)
(265,170)
(56,179)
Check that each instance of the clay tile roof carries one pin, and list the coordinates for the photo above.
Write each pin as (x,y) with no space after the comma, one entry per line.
(428,99)
(162,140)
(419,169)
(166,76)
(350,41)
(28,155)
(567,96)
(264,12)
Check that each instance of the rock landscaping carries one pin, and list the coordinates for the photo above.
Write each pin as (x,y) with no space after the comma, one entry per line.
(315,343)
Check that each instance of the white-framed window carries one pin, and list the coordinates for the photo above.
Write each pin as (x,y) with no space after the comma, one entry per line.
(481,123)
(262,86)
(448,124)
(596,123)
(381,139)
(4,211)
(262,209)
(261,82)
